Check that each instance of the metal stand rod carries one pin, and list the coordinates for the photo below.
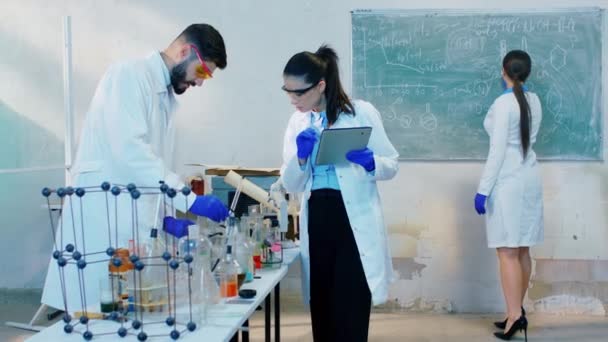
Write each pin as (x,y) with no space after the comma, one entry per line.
(267,318)
(245,331)
(277,312)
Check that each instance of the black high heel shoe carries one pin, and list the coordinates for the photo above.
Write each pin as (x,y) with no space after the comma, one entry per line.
(520,325)
(503,324)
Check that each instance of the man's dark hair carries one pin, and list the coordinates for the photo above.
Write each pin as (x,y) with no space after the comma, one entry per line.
(208,41)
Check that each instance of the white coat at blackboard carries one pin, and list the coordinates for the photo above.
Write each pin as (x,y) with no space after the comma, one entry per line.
(512,184)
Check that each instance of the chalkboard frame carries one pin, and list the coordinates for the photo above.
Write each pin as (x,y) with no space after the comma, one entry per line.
(597,117)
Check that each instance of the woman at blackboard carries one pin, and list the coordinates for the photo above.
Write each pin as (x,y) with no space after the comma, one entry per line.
(344,249)
(511,187)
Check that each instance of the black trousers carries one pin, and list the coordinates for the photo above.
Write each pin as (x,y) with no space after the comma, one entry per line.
(340,299)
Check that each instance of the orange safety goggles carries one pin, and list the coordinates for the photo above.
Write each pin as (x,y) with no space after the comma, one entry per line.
(202,70)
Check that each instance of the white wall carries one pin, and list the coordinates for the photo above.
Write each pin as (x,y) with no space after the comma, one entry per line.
(238,118)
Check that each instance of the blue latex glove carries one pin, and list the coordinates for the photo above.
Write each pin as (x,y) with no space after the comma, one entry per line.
(364,157)
(480,204)
(209,206)
(306,142)
(176,227)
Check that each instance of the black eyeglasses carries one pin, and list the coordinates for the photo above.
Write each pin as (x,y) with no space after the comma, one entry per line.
(299,92)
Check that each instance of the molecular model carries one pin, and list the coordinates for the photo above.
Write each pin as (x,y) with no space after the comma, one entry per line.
(147,281)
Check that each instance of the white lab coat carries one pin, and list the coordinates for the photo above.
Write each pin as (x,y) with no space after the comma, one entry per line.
(127,138)
(359,192)
(513,185)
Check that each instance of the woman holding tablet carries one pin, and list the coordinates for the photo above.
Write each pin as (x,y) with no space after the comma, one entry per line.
(344,248)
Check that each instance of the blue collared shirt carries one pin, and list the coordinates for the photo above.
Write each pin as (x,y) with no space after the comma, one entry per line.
(323,176)
(510,90)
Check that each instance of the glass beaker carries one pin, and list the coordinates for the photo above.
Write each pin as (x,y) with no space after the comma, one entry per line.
(108,297)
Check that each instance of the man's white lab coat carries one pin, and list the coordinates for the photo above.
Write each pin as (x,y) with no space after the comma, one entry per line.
(128,137)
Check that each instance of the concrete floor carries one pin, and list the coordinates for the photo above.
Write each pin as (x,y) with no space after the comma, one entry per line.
(426,328)
(390,326)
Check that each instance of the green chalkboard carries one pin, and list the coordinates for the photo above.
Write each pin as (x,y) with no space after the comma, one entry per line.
(434,74)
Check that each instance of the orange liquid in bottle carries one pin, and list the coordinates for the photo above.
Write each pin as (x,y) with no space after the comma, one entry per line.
(229,289)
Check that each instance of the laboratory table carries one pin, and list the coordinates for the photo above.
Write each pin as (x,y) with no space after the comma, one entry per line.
(225,320)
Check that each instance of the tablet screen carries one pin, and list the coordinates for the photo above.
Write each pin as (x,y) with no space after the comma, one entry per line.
(336,142)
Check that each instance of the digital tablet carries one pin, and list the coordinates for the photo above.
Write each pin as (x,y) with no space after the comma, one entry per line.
(336,142)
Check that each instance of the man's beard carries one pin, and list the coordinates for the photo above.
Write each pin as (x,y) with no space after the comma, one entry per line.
(178,77)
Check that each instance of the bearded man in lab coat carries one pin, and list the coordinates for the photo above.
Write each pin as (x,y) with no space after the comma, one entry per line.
(128,137)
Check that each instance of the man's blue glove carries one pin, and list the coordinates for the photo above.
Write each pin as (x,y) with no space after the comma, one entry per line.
(306,142)
(480,204)
(364,157)
(176,227)
(209,206)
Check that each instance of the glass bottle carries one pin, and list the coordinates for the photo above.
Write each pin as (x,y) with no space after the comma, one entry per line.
(154,276)
(256,238)
(239,250)
(120,268)
(244,252)
(229,275)
(209,293)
